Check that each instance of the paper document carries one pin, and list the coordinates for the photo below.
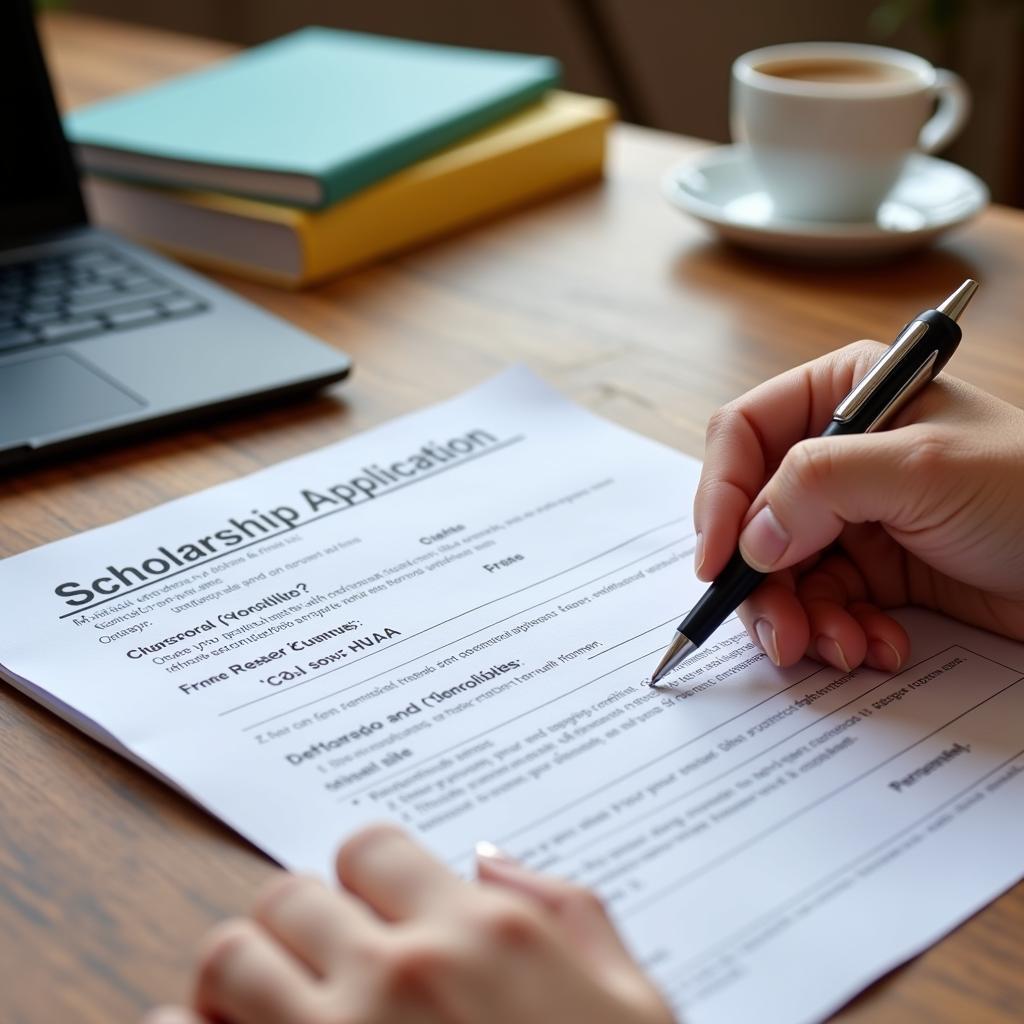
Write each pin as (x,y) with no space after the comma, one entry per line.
(449,622)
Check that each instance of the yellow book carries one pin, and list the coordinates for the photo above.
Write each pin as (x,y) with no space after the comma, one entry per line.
(556,143)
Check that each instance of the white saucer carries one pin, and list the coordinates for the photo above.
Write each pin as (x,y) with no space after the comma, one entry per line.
(720,188)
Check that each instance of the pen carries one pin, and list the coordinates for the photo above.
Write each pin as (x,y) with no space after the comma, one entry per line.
(914,359)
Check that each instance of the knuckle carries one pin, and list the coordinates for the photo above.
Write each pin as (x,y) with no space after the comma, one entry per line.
(361,846)
(859,356)
(369,957)
(507,923)
(809,464)
(425,957)
(929,452)
(416,965)
(220,949)
(280,893)
(866,348)
(721,421)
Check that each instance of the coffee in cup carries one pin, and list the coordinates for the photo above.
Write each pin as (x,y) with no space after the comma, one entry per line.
(830,125)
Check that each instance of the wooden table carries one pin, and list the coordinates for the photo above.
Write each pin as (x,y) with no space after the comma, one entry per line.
(107,878)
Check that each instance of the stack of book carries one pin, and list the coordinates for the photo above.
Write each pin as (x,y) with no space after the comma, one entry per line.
(325,150)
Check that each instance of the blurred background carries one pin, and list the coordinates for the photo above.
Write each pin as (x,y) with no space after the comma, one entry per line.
(666,62)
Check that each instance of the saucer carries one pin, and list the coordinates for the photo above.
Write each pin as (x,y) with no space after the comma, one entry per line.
(720,188)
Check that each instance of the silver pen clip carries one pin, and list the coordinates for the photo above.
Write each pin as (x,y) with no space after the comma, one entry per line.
(880,373)
(893,356)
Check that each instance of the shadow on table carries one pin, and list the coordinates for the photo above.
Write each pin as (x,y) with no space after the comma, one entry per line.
(245,431)
(920,280)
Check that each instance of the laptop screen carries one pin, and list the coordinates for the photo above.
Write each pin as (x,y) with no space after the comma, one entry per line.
(38,183)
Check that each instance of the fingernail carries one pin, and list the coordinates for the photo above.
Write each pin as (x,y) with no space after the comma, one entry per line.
(883,653)
(488,851)
(698,553)
(769,641)
(764,540)
(830,651)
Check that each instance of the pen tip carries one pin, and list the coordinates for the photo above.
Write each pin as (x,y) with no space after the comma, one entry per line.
(953,305)
(680,648)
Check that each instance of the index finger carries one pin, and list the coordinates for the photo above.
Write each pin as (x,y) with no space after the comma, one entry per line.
(747,438)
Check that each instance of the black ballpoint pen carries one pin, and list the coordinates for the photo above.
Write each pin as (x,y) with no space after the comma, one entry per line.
(917,355)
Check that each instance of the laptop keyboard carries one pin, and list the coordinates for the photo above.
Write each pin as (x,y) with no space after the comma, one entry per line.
(82,293)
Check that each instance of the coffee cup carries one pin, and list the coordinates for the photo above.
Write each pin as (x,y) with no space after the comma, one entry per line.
(829,126)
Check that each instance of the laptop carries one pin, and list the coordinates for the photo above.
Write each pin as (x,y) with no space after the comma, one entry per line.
(99,337)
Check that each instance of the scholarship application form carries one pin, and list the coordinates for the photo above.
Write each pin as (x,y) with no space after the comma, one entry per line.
(449,622)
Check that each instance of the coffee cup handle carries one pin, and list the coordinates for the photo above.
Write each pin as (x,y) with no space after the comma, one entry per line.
(954,101)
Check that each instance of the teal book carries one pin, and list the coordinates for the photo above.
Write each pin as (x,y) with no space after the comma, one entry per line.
(306,119)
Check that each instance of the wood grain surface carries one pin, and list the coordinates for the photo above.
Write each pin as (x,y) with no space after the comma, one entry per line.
(107,878)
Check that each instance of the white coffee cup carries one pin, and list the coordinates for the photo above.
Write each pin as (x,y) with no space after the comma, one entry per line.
(830,125)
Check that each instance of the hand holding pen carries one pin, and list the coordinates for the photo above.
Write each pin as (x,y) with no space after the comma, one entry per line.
(927,512)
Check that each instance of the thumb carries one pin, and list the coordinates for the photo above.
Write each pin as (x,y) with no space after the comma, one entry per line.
(824,483)
(578,911)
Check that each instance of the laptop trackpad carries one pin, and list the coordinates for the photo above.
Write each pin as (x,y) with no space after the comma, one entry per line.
(55,393)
